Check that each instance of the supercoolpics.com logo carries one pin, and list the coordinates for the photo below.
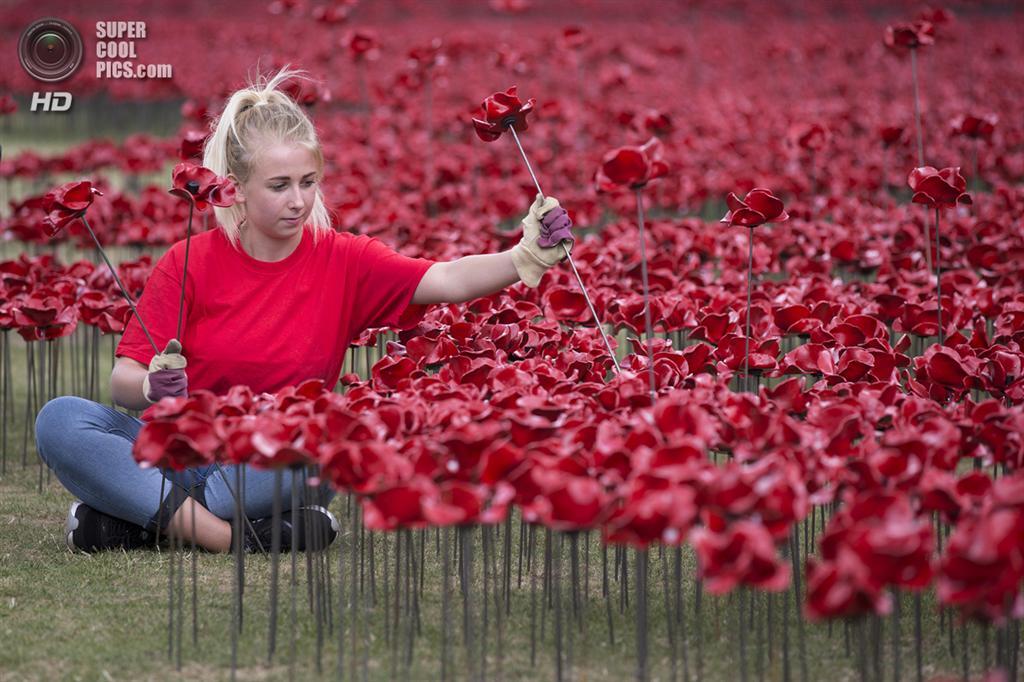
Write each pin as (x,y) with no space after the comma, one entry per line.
(116,50)
(51,50)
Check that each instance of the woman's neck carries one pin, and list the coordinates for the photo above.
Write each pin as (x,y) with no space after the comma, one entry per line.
(268,250)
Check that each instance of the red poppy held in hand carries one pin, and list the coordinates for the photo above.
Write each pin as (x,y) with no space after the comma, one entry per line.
(938,188)
(500,111)
(760,206)
(201,185)
(67,203)
(631,167)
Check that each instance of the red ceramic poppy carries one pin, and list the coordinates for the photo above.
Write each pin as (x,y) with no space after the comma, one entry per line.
(631,167)
(361,45)
(759,207)
(810,137)
(67,203)
(890,135)
(842,588)
(501,111)
(741,554)
(938,188)
(192,143)
(201,185)
(574,37)
(653,511)
(976,127)
(907,36)
(982,567)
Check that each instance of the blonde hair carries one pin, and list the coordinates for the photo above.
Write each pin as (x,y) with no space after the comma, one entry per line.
(253,116)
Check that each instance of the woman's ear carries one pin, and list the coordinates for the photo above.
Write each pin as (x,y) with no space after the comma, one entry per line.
(239,193)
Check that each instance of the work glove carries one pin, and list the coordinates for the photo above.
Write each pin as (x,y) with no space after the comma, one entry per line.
(546,228)
(166,377)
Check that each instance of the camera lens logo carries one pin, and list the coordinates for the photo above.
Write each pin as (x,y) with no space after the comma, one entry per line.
(50,50)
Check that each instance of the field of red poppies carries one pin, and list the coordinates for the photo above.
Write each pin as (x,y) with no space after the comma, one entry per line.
(813,419)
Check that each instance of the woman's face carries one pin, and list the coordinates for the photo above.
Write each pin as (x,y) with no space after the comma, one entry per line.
(278,196)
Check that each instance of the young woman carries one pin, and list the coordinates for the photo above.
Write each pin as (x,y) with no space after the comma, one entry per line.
(273,296)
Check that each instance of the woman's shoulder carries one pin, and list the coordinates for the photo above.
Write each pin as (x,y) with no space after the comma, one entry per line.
(201,244)
(342,243)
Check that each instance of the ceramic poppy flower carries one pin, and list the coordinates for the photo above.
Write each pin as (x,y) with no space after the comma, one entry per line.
(500,111)
(362,45)
(842,588)
(743,553)
(192,143)
(759,207)
(66,204)
(653,511)
(976,127)
(574,37)
(938,188)
(890,135)
(631,167)
(908,36)
(982,568)
(202,185)
(811,137)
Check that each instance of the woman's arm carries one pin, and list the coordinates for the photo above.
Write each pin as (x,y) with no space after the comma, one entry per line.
(126,384)
(467,278)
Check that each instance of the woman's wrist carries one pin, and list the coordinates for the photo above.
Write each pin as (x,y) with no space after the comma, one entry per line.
(126,384)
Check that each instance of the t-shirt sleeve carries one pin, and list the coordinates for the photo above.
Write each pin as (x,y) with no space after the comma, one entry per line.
(158,308)
(385,284)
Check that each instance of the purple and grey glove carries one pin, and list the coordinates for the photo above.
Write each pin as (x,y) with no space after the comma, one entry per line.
(547,236)
(555,225)
(166,377)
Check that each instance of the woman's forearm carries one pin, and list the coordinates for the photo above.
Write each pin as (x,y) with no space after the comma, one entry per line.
(126,385)
(471,277)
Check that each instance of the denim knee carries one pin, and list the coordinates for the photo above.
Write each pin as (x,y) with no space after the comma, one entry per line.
(54,420)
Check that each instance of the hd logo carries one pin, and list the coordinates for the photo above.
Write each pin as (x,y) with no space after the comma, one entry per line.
(50,101)
(50,50)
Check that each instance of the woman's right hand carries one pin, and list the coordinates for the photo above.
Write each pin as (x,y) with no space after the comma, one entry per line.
(166,377)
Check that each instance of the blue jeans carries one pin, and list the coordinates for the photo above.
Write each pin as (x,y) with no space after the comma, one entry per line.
(89,448)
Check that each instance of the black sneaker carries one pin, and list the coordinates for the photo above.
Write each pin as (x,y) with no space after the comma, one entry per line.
(90,531)
(323,528)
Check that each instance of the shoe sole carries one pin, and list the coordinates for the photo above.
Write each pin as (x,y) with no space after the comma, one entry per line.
(335,526)
(71,525)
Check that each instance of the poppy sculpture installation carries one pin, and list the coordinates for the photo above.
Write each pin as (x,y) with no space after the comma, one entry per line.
(787,480)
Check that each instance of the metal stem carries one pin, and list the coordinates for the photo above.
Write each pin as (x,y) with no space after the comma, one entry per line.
(117,279)
(235,498)
(648,324)
(917,108)
(938,275)
(920,148)
(750,279)
(188,242)
(586,294)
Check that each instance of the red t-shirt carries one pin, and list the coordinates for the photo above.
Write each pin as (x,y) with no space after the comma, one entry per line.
(270,325)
